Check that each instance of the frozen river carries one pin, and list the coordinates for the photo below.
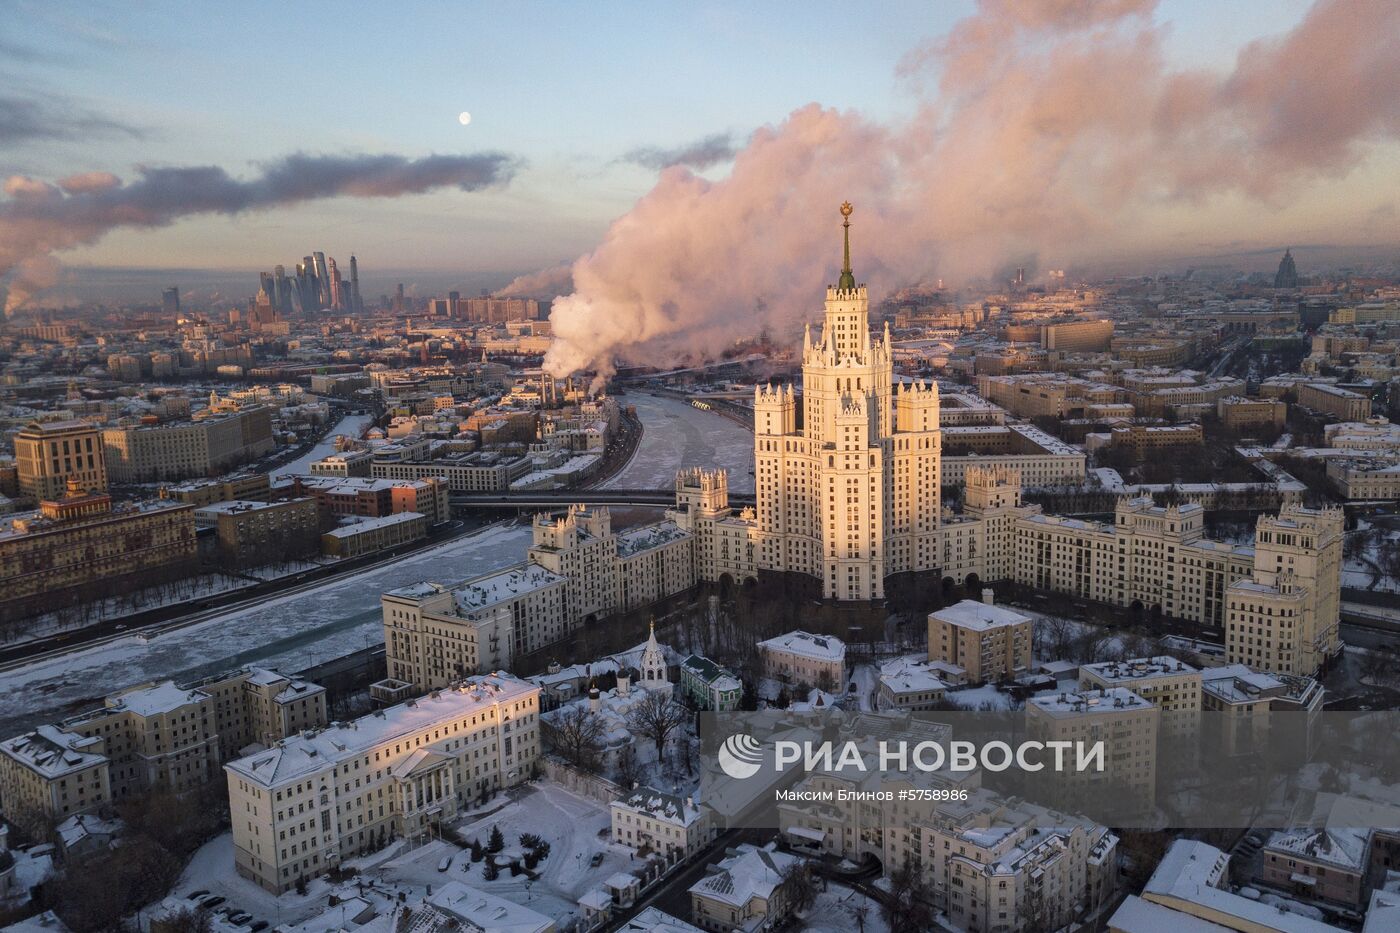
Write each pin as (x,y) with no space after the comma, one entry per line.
(289,632)
(353,425)
(676,435)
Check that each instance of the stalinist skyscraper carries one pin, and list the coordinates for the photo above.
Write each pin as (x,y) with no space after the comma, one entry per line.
(847,476)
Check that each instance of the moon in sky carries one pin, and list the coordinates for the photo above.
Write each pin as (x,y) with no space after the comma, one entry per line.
(464,118)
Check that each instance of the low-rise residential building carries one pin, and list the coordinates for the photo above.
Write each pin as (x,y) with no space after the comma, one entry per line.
(916,684)
(359,536)
(455,906)
(311,800)
(987,641)
(709,686)
(1238,413)
(1190,883)
(1331,864)
(1343,404)
(668,824)
(802,658)
(746,890)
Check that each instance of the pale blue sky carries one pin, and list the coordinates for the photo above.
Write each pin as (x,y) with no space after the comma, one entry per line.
(569,87)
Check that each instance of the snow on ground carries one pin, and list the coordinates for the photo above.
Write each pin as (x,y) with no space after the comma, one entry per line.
(292,631)
(835,912)
(974,698)
(117,607)
(676,435)
(351,425)
(568,822)
(867,679)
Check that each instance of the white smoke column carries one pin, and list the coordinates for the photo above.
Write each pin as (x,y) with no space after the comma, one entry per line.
(30,277)
(1044,126)
(546,283)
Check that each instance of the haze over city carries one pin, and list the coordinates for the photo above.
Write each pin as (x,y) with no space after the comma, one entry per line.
(706,468)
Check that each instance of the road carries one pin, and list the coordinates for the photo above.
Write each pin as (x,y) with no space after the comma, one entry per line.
(297,626)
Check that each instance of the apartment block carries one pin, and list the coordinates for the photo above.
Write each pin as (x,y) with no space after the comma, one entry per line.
(1342,404)
(1172,686)
(1126,722)
(144,453)
(312,800)
(578,570)
(83,541)
(160,736)
(251,533)
(50,453)
(988,642)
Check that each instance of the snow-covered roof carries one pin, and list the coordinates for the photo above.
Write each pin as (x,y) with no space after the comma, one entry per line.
(750,872)
(671,808)
(503,586)
(313,751)
(818,647)
(51,752)
(1088,702)
(652,920)
(978,616)
(912,674)
(1190,873)
(361,524)
(483,911)
(644,538)
(155,699)
(1343,847)
(1139,669)
(1136,915)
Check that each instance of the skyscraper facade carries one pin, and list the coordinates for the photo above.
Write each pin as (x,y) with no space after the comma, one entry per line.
(846,477)
(1287,274)
(357,305)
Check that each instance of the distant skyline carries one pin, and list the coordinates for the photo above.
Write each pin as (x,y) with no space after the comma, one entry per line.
(589,101)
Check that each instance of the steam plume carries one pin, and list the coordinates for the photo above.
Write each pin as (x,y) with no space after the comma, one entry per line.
(40,217)
(556,280)
(1043,128)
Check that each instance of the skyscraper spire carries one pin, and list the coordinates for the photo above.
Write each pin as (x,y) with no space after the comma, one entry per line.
(848,279)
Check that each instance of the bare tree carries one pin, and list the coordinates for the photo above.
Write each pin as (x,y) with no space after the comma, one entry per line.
(909,908)
(656,717)
(1056,635)
(860,913)
(577,734)
(800,884)
(629,769)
